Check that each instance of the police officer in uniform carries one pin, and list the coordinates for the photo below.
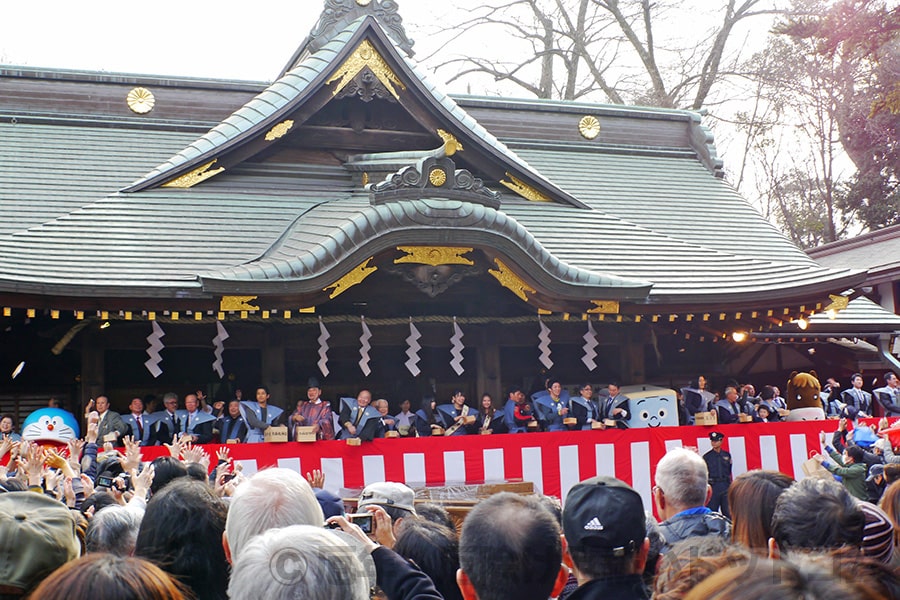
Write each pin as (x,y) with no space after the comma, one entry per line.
(718,462)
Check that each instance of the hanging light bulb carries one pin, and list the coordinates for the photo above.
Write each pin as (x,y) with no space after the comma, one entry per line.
(739,336)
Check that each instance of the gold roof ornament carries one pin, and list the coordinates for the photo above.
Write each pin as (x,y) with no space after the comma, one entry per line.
(838,303)
(434,256)
(511,281)
(364,2)
(524,190)
(364,56)
(201,173)
(607,307)
(350,279)
(234,303)
(451,144)
(589,127)
(140,100)
(279,130)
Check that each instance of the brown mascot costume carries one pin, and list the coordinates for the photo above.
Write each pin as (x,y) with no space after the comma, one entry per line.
(803,397)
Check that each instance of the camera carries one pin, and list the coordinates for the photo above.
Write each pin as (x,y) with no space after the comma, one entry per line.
(104,481)
(364,520)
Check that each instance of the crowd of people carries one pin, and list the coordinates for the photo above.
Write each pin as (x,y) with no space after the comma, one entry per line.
(90,521)
(363,417)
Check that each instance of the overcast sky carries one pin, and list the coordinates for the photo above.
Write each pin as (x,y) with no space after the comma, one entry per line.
(230,39)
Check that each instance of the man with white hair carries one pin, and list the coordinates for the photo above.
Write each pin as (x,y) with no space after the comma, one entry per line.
(301,561)
(681,494)
(271,498)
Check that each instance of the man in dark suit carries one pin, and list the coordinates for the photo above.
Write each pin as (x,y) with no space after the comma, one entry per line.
(140,425)
(167,421)
(196,424)
(889,395)
(111,426)
(615,407)
(232,428)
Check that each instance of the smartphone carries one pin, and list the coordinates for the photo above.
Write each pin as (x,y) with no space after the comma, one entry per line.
(364,520)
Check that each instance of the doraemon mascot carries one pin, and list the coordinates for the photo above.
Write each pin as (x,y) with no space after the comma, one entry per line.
(50,425)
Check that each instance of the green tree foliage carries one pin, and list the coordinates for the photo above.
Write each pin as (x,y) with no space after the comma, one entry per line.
(862,38)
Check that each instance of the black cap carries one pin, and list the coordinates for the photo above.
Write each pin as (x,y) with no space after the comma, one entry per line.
(605,514)
(716,436)
(313,383)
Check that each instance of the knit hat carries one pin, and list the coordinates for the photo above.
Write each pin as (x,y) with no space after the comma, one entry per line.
(37,535)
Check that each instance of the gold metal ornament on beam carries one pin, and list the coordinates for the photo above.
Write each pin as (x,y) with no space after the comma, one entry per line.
(364,56)
(279,130)
(234,303)
(201,173)
(511,281)
(451,144)
(437,177)
(350,279)
(838,303)
(589,127)
(434,256)
(140,100)
(607,307)
(524,190)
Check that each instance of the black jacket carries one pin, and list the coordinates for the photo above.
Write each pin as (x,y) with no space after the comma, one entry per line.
(626,587)
(682,527)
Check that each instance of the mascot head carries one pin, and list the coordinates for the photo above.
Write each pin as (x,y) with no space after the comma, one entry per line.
(803,399)
(50,425)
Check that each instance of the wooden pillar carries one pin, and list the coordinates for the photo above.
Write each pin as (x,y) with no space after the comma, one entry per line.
(273,357)
(633,360)
(488,378)
(93,368)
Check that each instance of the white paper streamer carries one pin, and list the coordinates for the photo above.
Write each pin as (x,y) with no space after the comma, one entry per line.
(413,350)
(219,343)
(364,348)
(590,346)
(544,346)
(456,349)
(153,351)
(323,348)
(896,348)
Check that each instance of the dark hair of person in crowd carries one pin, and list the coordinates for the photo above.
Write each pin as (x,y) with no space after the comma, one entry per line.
(696,559)
(103,576)
(890,504)
(181,533)
(434,549)
(552,504)
(99,500)
(167,469)
(763,579)
(815,514)
(767,393)
(856,453)
(436,514)
(657,543)
(510,547)
(752,497)
(891,472)
(196,471)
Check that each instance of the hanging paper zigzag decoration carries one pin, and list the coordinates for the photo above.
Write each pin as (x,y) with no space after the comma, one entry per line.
(456,349)
(323,348)
(590,346)
(364,348)
(413,351)
(219,343)
(153,351)
(544,346)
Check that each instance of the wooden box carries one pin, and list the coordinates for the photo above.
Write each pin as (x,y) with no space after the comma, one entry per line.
(470,420)
(354,442)
(437,430)
(745,418)
(306,433)
(609,422)
(783,412)
(570,421)
(391,434)
(597,425)
(486,432)
(706,418)
(532,426)
(276,434)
